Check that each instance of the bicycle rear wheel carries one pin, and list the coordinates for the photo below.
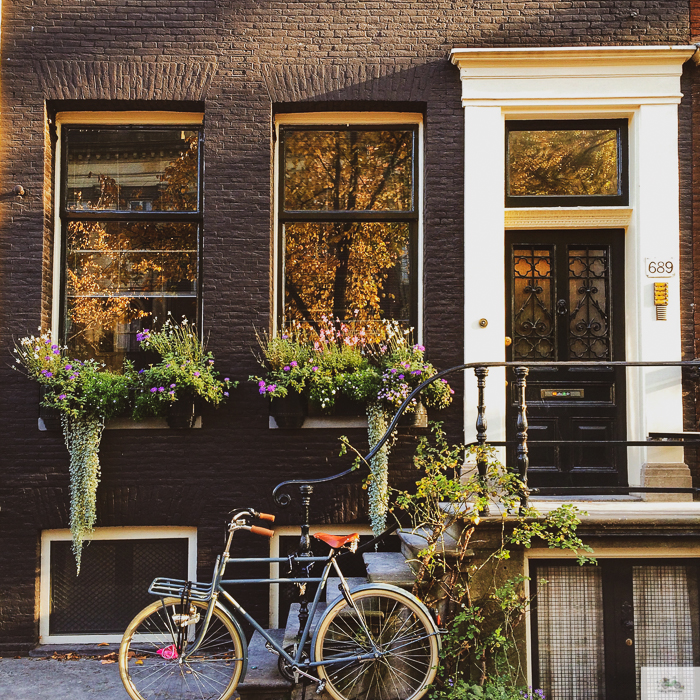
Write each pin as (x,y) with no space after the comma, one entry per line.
(151,668)
(404,634)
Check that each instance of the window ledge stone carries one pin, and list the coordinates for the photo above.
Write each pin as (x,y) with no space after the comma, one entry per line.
(564,217)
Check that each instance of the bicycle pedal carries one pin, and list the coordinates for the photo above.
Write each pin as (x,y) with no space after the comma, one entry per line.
(320,687)
(271,649)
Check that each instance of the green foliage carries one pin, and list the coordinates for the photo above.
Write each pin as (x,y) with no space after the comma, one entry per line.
(481,600)
(184,371)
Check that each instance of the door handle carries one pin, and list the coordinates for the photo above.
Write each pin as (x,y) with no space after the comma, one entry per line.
(562,309)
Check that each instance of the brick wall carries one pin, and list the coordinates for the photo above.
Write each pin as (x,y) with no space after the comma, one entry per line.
(240,60)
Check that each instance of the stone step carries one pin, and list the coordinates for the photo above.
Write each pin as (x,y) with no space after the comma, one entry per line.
(460,517)
(291,633)
(389,567)
(333,584)
(414,541)
(263,680)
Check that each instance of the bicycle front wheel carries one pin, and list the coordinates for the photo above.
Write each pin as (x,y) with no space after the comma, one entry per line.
(402,631)
(151,667)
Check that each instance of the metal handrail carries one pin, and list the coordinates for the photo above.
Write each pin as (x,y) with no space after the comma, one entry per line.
(283,499)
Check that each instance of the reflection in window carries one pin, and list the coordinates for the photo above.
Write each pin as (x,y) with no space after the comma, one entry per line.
(565,159)
(348,220)
(131,228)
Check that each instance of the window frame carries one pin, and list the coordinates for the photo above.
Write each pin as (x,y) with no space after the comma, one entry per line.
(101,533)
(349,121)
(119,121)
(598,200)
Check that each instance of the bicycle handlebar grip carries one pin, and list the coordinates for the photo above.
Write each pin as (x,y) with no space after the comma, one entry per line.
(266,516)
(261,531)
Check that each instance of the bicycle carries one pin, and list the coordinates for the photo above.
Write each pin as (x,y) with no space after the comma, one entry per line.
(376,642)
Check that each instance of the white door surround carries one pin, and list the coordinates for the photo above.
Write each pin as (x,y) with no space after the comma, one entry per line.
(639,83)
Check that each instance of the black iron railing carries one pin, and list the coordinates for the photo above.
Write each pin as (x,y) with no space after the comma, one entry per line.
(521,371)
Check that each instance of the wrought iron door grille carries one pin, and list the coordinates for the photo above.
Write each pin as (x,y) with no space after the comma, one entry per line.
(113,582)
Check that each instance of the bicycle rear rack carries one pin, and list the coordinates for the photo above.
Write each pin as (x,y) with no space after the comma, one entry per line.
(175,587)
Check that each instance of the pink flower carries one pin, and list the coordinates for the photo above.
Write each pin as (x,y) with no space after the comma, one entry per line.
(196,374)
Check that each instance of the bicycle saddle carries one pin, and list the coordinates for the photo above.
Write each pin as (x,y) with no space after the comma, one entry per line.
(336,541)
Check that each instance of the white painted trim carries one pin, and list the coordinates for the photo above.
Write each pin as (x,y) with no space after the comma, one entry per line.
(291,531)
(126,118)
(560,217)
(639,83)
(102,533)
(348,119)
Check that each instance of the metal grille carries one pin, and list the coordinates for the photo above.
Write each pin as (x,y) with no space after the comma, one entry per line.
(662,618)
(113,582)
(589,291)
(570,632)
(533,291)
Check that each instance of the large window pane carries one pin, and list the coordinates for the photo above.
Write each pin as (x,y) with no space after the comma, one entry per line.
(348,170)
(132,170)
(348,270)
(563,162)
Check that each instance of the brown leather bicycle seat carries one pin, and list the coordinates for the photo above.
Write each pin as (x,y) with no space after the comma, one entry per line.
(336,541)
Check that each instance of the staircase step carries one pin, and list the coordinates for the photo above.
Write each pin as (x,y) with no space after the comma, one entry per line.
(263,680)
(333,584)
(389,567)
(460,517)
(414,541)
(291,633)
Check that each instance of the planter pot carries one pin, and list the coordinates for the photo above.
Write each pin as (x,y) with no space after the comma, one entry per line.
(416,419)
(342,406)
(289,411)
(181,414)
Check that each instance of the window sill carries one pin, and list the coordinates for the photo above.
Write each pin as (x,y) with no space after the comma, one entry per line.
(327,422)
(128,424)
(567,217)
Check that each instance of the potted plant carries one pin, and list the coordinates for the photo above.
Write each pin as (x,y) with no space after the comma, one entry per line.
(185,374)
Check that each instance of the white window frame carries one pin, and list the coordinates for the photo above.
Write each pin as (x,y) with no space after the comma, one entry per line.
(102,533)
(348,119)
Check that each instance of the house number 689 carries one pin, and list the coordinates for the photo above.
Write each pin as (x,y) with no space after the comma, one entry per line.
(660,267)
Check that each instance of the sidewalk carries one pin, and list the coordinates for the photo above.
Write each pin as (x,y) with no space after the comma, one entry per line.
(60,679)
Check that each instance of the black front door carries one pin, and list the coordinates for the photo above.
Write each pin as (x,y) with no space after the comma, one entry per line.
(565,303)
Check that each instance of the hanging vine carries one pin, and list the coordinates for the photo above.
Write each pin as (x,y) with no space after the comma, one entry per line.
(378,419)
(82,437)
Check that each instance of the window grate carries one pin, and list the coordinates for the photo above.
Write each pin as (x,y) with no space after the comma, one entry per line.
(113,582)
(570,632)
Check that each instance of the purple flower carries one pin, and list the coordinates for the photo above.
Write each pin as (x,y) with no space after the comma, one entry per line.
(392,370)
(47,342)
(285,336)
(153,390)
(54,347)
(419,348)
(168,365)
(69,367)
(49,374)
(400,376)
(48,357)
(314,369)
(196,374)
(141,371)
(226,379)
(73,376)
(286,368)
(172,386)
(161,388)
(211,362)
(293,363)
(171,393)
(272,387)
(226,393)
(416,371)
(62,396)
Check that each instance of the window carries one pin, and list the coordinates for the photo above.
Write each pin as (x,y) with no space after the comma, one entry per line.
(131,216)
(552,163)
(596,627)
(348,221)
(118,566)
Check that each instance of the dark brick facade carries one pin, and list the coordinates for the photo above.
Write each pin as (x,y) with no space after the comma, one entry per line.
(240,61)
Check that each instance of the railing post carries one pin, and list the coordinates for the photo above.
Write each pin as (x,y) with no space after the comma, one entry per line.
(522,460)
(481,425)
(305,551)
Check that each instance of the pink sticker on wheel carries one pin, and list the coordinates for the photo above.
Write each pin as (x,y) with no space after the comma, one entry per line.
(168,653)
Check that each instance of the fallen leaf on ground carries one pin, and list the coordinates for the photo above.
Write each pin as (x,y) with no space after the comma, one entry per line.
(103,644)
(108,661)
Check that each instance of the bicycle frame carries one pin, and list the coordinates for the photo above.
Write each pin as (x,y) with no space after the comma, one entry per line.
(296,662)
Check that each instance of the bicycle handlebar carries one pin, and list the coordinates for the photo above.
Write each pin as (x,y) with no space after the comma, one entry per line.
(261,531)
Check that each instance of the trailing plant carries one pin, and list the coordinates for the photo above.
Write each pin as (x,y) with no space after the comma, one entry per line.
(481,601)
(86,394)
(375,365)
(185,370)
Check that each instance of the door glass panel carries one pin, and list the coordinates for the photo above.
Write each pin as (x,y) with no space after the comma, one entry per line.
(589,294)
(570,632)
(662,619)
(533,290)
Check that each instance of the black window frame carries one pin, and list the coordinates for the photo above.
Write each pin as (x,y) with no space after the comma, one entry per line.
(620,199)
(356,216)
(67,215)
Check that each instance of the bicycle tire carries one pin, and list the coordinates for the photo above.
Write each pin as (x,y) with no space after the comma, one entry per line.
(403,631)
(149,671)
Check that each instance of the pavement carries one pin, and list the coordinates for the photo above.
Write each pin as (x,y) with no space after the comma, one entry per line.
(63,677)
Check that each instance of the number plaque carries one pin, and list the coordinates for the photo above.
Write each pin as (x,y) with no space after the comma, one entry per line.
(660,266)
